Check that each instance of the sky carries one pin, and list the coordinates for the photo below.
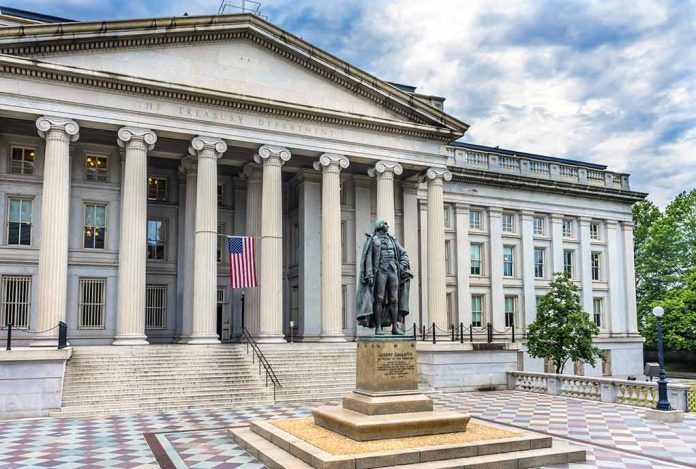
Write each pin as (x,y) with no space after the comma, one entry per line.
(611,82)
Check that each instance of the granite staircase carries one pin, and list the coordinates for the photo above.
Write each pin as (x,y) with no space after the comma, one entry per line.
(113,380)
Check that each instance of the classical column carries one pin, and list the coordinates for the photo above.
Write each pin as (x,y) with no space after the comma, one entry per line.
(330,166)
(188,167)
(271,281)
(253,173)
(616,313)
(630,277)
(495,219)
(55,202)
(410,243)
(384,171)
(556,243)
(463,263)
(207,150)
(437,280)
(528,268)
(132,257)
(585,263)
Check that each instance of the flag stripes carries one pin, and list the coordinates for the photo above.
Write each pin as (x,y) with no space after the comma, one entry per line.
(242,251)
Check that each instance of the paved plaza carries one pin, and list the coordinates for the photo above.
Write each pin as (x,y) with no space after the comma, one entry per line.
(615,436)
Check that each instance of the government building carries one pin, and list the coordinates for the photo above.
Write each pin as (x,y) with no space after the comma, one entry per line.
(128,147)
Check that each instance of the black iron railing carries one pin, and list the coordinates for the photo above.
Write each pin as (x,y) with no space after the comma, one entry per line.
(486,333)
(62,334)
(258,355)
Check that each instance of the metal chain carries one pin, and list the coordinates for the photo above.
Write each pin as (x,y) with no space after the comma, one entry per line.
(35,332)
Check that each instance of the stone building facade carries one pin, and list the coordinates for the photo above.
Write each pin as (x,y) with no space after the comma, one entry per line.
(126,147)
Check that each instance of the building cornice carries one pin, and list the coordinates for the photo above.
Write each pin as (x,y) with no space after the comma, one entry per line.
(70,38)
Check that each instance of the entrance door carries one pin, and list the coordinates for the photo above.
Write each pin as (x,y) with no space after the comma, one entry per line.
(219,321)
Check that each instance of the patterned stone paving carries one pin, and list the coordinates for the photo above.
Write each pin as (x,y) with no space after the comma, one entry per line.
(615,436)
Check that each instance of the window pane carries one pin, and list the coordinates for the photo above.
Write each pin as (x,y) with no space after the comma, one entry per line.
(89,215)
(15,207)
(100,215)
(26,211)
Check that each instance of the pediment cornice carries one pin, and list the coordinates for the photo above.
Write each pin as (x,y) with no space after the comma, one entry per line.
(43,41)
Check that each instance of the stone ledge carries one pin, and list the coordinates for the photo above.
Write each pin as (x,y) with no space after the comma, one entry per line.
(34,354)
(425,346)
(382,405)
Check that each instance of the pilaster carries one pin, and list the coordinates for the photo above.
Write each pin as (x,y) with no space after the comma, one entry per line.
(528,286)
(189,169)
(495,215)
(463,263)
(410,243)
(630,276)
(253,173)
(586,263)
(556,243)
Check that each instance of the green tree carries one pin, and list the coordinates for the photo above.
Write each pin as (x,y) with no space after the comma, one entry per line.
(562,331)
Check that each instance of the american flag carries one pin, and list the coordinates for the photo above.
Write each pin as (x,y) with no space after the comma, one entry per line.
(242,261)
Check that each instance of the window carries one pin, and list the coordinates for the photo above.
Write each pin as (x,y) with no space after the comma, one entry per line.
(96,167)
(344,241)
(594,232)
(568,263)
(508,223)
(156,239)
(157,189)
(95,226)
(449,299)
(22,161)
(597,311)
(220,239)
(567,228)
(295,307)
(449,210)
(155,306)
(449,265)
(344,305)
(596,266)
(91,303)
(510,309)
(475,250)
(475,220)
(539,226)
(19,222)
(221,195)
(539,262)
(15,297)
(508,254)
(476,310)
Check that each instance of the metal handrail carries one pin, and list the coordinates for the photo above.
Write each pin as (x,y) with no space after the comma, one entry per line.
(270,374)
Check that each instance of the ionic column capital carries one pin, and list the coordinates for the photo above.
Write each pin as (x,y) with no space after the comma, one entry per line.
(44,124)
(385,168)
(188,166)
(331,162)
(272,155)
(437,175)
(203,145)
(136,134)
(252,172)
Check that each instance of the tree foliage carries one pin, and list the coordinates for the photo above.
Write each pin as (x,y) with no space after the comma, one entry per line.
(562,331)
(665,253)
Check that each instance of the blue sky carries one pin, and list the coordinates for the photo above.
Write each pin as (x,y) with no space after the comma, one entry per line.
(612,82)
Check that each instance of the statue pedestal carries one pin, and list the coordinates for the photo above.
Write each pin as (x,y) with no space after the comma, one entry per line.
(386,402)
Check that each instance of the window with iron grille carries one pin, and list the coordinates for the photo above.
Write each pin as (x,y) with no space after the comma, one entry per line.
(96,167)
(221,195)
(539,262)
(15,294)
(568,263)
(155,306)
(220,240)
(597,311)
(19,222)
(476,310)
(475,252)
(596,266)
(510,311)
(595,232)
(567,228)
(539,226)
(157,189)
(344,241)
(95,226)
(156,239)
(475,220)
(508,223)
(22,160)
(91,303)
(508,261)
(449,264)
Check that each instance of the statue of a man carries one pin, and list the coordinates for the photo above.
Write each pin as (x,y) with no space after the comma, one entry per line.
(383,293)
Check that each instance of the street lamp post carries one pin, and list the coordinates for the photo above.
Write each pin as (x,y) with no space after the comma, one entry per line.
(662,402)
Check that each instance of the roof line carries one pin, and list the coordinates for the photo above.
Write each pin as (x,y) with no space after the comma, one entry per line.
(32,15)
(535,156)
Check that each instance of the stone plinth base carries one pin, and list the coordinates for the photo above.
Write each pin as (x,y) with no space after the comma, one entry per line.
(381,405)
(664,415)
(361,427)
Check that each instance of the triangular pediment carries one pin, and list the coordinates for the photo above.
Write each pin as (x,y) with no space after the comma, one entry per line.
(237,55)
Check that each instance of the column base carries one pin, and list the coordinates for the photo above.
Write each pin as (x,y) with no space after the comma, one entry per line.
(332,338)
(43,341)
(183,340)
(130,340)
(203,340)
(271,339)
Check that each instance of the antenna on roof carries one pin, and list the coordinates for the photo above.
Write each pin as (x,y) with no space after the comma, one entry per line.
(230,7)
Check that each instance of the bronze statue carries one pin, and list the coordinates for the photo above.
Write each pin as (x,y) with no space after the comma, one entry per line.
(385,277)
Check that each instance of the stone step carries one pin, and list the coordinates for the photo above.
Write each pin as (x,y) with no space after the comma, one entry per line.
(99,393)
(88,411)
(144,401)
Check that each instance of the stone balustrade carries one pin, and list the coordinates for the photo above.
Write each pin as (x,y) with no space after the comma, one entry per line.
(635,393)
(525,166)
